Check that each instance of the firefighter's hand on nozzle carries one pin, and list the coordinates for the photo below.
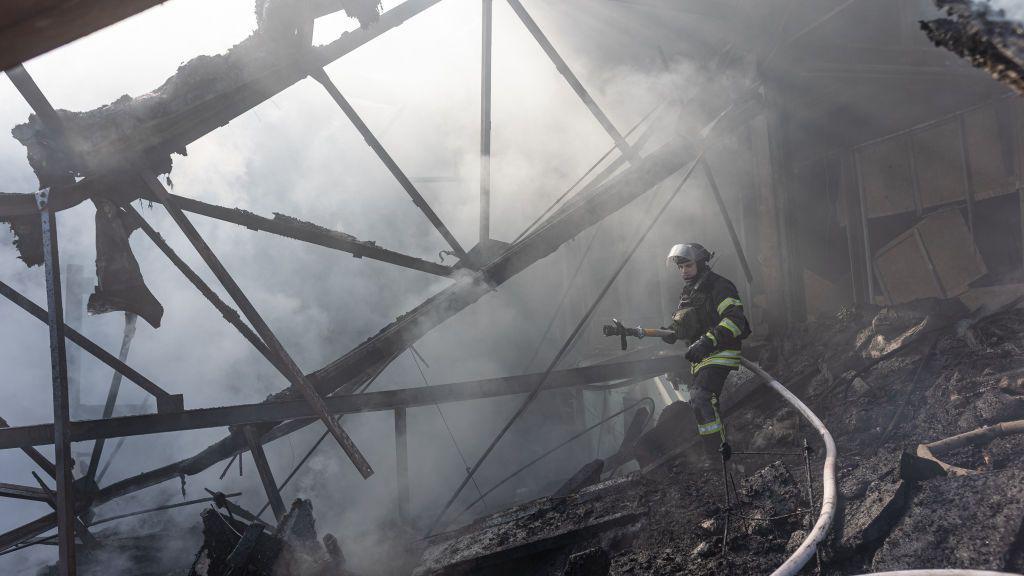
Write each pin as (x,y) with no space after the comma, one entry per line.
(670,339)
(700,349)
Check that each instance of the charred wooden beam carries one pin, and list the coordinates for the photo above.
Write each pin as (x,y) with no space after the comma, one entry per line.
(248,414)
(296,229)
(28,29)
(23,492)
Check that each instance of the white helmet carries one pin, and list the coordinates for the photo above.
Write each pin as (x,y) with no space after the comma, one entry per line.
(688,252)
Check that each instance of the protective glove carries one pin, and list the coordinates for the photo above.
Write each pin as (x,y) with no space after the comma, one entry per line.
(670,339)
(700,349)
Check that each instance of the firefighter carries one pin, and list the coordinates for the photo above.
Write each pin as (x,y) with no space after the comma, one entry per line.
(710,321)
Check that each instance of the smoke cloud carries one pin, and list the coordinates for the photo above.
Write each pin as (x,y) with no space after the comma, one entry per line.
(417,87)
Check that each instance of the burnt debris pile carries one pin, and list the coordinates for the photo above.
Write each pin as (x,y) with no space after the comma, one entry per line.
(231,546)
(891,384)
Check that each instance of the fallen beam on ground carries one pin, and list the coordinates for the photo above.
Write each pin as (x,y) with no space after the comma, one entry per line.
(42,434)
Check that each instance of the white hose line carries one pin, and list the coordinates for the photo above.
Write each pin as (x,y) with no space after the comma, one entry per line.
(942,573)
(805,552)
(938,572)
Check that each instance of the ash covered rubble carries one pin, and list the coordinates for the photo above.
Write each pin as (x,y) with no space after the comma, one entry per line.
(233,542)
(86,154)
(884,381)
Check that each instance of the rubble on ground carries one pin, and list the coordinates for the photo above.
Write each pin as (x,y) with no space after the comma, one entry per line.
(883,380)
(231,546)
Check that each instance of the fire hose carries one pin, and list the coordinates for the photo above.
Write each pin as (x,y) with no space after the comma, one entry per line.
(809,546)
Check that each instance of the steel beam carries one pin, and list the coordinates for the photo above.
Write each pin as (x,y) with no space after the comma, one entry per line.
(112,391)
(88,345)
(80,528)
(574,82)
(64,501)
(387,400)
(485,121)
(229,313)
(37,457)
(252,438)
(402,463)
(29,530)
(321,76)
(346,374)
(292,371)
(296,229)
(20,492)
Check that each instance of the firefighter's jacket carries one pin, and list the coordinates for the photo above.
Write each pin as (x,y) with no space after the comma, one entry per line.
(712,308)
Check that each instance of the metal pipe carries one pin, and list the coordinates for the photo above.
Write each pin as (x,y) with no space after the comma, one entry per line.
(809,546)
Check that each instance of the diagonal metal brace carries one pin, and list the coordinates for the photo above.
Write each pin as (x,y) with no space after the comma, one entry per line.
(85,344)
(321,76)
(80,528)
(290,370)
(577,86)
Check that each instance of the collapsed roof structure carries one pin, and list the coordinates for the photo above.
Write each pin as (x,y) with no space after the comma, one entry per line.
(910,227)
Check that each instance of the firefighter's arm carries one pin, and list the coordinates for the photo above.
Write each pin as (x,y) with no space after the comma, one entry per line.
(732,323)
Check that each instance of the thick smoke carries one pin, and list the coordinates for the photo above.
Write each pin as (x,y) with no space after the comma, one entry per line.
(1012,9)
(417,88)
